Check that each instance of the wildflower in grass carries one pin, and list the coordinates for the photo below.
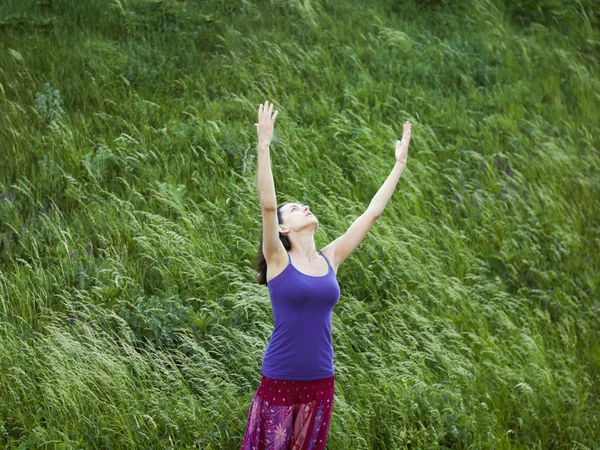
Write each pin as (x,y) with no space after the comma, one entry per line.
(89,248)
(474,202)
(72,318)
(508,170)
(497,160)
(49,104)
(72,254)
(457,197)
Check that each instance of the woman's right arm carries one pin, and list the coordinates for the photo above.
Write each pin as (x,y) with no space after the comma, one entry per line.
(272,245)
(266,185)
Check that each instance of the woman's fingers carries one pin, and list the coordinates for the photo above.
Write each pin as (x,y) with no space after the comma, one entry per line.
(265,111)
(262,110)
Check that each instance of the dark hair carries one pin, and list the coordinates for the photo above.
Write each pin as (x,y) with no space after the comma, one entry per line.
(260,263)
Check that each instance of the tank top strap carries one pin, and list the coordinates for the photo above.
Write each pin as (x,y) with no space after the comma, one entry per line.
(326,259)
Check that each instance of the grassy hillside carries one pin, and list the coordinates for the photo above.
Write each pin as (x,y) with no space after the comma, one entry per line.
(469,315)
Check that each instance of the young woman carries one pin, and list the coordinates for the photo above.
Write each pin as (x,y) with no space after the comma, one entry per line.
(292,406)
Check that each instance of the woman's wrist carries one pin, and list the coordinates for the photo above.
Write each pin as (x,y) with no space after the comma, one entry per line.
(263,145)
(400,164)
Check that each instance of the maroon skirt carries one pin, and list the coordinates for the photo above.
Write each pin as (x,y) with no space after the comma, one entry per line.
(289,414)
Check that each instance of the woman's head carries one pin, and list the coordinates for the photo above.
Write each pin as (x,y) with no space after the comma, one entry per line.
(292,218)
(296,217)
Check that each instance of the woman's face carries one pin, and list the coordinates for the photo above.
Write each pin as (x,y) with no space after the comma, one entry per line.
(297,216)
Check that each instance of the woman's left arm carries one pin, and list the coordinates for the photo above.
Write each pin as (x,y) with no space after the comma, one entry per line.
(344,245)
(385,192)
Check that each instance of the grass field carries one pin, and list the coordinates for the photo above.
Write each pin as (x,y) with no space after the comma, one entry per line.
(129,313)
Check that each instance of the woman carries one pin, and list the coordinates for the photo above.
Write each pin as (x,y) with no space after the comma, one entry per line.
(292,406)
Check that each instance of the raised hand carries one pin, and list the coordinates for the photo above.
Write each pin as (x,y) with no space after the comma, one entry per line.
(402,146)
(265,123)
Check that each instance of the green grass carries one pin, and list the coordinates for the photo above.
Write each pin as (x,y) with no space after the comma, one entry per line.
(469,314)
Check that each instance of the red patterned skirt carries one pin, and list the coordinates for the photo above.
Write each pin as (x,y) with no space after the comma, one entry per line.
(289,415)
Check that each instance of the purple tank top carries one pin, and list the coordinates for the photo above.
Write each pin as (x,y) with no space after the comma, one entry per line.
(300,347)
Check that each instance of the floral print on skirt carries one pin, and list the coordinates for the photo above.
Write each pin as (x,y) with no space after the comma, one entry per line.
(289,415)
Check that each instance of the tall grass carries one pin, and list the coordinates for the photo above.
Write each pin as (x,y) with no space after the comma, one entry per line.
(469,314)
